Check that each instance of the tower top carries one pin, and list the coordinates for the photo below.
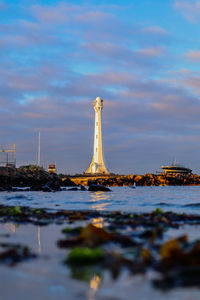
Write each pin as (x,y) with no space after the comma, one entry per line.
(98,99)
(98,103)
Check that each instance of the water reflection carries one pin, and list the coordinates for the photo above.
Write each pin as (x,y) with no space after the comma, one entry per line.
(10,227)
(98,222)
(94,285)
(35,236)
(100,200)
(39,240)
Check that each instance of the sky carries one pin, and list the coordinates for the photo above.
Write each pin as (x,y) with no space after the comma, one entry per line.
(141,57)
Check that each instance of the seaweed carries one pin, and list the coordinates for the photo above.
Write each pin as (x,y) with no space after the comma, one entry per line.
(84,255)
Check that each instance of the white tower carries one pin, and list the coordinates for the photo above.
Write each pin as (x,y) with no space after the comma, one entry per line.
(97,165)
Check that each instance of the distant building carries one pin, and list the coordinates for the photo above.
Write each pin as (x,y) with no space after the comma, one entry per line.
(176,169)
(52,168)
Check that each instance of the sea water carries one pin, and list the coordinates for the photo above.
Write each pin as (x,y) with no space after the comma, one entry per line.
(47,277)
(181,199)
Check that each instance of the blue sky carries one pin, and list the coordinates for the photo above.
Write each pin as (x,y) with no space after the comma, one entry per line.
(141,57)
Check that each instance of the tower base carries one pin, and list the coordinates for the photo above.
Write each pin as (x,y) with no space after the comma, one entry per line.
(95,168)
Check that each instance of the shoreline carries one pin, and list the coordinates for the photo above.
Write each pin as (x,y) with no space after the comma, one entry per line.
(40,180)
(140,180)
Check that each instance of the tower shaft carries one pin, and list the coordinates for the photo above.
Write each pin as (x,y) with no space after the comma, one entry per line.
(97,165)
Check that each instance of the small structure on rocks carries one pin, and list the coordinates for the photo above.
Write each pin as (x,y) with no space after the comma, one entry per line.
(176,169)
(52,168)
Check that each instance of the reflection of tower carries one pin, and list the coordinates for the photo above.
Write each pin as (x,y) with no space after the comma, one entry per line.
(97,165)
(39,240)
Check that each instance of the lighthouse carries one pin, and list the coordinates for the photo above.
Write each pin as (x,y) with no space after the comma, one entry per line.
(97,165)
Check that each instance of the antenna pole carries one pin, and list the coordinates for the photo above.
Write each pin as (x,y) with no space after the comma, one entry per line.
(15,155)
(39,148)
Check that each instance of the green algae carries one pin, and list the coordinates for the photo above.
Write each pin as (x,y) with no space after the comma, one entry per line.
(14,211)
(85,255)
(158,211)
(74,230)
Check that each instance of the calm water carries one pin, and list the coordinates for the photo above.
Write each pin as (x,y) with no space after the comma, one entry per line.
(142,199)
(48,278)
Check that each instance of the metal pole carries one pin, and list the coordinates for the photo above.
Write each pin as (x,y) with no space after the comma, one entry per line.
(39,148)
(15,155)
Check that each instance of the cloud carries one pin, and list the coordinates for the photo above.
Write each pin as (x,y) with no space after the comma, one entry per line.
(70,14)
(52,14)
(193,55)
(123,57)
(190,9)
(55,59)
(188,80)
(156,30)
(152,52)
(67,125)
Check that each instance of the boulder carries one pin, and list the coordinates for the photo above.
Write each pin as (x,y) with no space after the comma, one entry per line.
(21,189)
(83,188)
(46,187)
(98,187)
(73,189)
(68,182)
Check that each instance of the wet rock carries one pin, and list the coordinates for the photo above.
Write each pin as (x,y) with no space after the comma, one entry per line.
(55,184)
(77,216)
(181,277)
(28,176)
(79,188)
(46,187)
(83,188)
(15,254)
(98,187)
(67,182)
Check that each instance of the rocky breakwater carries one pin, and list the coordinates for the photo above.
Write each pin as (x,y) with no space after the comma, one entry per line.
(31,177)
(140,180)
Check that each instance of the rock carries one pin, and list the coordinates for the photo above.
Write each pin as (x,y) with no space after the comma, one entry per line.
(55,184)
(73,189)
(79,188)
(46,187)
(67,182)
(21,189)
(96,188)
(83,188)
